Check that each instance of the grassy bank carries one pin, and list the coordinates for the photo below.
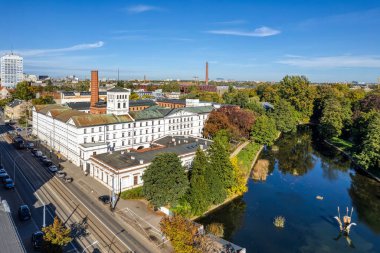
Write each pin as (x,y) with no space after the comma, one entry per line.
(135,193)
(247,155)
(344,145)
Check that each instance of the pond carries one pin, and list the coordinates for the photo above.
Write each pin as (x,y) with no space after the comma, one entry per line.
(302,169)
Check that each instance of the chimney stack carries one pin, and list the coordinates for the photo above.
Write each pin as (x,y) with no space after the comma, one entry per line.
(94,88)
(206,81)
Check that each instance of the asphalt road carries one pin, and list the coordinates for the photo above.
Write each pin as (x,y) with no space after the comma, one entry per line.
(97,228)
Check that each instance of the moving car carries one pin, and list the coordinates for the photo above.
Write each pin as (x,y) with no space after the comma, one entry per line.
(2,170)
(8,184)
(24,213)
(37,239)
(53,168)
(3,177)
(105,199)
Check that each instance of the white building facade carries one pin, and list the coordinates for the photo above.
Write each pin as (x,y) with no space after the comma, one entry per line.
(77,135)
(12,67)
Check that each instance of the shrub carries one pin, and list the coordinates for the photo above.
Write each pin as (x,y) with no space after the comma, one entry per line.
(216,229)
(135,193)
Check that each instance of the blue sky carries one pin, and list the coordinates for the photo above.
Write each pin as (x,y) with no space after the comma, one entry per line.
(325,40)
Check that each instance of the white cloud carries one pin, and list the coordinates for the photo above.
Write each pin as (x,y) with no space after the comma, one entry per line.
(343,61)
(40,52)
(231,22)
(142,8)
(258,32)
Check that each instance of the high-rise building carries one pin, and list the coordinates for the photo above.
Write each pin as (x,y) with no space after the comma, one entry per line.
(12,67)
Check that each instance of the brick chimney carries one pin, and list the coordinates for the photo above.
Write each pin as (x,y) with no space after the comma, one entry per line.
(206,81)
(94,88)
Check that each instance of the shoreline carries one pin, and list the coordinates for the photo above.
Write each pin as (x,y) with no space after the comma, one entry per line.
(230,199)
(357,166)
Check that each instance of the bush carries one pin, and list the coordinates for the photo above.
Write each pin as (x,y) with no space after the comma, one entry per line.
(216,229)
(135,193)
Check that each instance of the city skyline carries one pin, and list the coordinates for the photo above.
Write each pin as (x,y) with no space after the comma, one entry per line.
(241,40)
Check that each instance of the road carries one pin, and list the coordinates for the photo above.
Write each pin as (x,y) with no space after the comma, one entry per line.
(94,226)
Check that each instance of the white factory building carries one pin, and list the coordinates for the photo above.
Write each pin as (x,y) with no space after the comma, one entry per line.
(77,135)
(12,67)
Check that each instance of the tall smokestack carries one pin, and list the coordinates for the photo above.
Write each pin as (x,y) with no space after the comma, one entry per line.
(94,87)
(206,81)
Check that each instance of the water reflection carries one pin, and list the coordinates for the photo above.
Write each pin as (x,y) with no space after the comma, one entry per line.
(231,216)
(365,195)
(295,154)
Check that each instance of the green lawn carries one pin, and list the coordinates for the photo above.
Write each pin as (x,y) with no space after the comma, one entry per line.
(342,144)
(246,156)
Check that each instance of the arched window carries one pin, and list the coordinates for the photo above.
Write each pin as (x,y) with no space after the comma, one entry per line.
(118,105)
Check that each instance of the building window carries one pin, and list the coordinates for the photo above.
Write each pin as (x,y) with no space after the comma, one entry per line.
(114,136)
(135,179)
(85,139)
(92,130)
(108,136)
(92,139)
(129,134)
(140,131)
(134,124)
(118,105)
(100,129)
(146,139)
(100,138)
(85,130)
(114,127)
(94,153)
(108,128)
(124,106)
(129,142)
(134,141)
(122,143)
(122,134)
(141,139)
(146,131)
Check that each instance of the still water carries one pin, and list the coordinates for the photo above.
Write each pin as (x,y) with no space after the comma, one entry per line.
(302,169)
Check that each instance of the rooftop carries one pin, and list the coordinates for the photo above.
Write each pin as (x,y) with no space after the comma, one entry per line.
(173,101)
(118,89)
(181,145)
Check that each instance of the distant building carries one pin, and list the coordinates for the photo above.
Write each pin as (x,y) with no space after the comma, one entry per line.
(4,93)
(12,67)
(16,109)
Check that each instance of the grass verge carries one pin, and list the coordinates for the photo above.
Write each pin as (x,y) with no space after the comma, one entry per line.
(246,156)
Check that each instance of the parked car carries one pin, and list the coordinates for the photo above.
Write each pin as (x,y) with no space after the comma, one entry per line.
(30,145)
(60,174)
(53,168)
(24,213)
(42,157)
(2,171)
(68,179)
(34,151)
(8,184)
(105,199)
(4,177)
(37,239)
(38,154)
(47,162)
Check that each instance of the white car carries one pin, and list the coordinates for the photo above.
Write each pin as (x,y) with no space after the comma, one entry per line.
(53,168)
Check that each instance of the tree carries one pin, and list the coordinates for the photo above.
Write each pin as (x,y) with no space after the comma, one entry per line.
(23,91)
(218,120)
(198,186)
(264,130)
(165,181)
(286,116)
(335,115)
(56,236)
(182,233)
(134,96)
(297,91)
(369,155)
(43,100)
(239,186)
(219,176)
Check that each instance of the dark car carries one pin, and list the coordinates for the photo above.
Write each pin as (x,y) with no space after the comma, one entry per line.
(2,170)
(34,151)
(8,184)
(37,239)
(24,213)
(105,199)
(3,177)
(47,162)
